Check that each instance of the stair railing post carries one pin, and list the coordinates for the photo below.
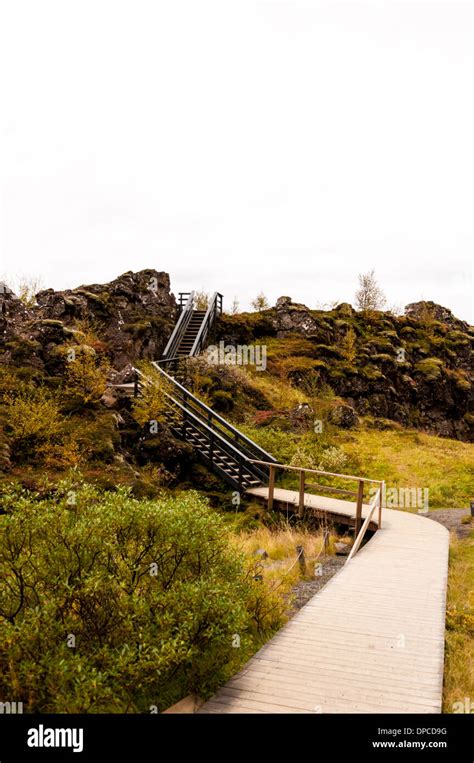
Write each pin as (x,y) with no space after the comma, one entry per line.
(301,493)
(241,476)
(360,500)
(271,487)
(135,385)
(211,447)
(184,425)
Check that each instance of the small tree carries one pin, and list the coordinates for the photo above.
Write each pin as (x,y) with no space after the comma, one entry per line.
(32,420)
(201,300)
(260,302)
(153,402)
(235,306)
(369,296)
(86,375)
(348,345)
(25,287)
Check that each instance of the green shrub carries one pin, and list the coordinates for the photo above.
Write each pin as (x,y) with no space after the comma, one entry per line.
(111,604)
(32,420)
(222,401)
(333,460)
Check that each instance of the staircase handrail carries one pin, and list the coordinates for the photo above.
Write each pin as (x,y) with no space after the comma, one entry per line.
(213,310)
(249,444)
(181,326)
(225,444)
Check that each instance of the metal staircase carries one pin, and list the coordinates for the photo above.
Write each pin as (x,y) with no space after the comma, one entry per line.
(220,445)
(194,326)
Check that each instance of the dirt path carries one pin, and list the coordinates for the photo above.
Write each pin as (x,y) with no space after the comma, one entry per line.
(452,520)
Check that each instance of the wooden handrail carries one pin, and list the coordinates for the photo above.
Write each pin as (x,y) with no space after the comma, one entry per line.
(287,467)
(240,439)
(332,489)
(359,528)
(181,325)
(376,503)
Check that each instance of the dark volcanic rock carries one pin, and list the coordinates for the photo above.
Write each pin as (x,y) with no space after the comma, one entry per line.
(414,369)
(291,317)
(430,310)
(344,416)
(133,316)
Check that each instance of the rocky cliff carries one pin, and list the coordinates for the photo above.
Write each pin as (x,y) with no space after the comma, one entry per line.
(415,369)
(133,315)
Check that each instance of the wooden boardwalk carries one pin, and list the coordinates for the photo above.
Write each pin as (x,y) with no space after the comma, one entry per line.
(371,641)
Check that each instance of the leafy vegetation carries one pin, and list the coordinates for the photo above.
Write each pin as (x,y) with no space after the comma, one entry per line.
(110,604)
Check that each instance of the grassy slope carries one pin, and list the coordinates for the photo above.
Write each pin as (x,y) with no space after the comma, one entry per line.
(408,458)
(459,665)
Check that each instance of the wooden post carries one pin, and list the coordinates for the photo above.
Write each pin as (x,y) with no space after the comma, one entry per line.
(326,540)
(360,500)
(380,503)
(301,559)
(301,495)
(271,487)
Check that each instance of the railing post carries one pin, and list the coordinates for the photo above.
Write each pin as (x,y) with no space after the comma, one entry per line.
(360,500)
(301,494)
(135,385)
(271,487)
(240,475)
(301,559)
(211,447)
(380,503)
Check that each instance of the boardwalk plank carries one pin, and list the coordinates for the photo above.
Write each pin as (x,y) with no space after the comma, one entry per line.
(340,652)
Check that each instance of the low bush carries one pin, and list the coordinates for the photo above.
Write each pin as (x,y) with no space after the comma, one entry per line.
(111,604)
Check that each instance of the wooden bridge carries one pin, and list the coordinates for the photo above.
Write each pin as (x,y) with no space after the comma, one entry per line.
(373,639)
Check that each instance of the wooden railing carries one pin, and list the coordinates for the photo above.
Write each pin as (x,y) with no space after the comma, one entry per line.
(186,313)
(215,420)
(212,313)
(358,494)
(376,503)
(217,431)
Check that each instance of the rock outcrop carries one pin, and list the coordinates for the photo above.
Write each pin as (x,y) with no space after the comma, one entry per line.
(415,369)
(133,316)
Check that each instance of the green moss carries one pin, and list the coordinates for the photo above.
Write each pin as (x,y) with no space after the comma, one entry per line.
(382,357)
(137,329)
(22,350)
(328,351)
(51,322)
(430,368)
(460,379)
(371,373)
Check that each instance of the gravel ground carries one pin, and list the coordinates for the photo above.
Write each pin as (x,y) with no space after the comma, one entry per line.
(305,589)
(452,519)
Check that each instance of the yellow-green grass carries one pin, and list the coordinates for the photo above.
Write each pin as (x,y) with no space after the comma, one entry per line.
(459,662)
(411,459)
(281,569)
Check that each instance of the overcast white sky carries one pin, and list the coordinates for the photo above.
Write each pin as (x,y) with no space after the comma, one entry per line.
(240,145)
